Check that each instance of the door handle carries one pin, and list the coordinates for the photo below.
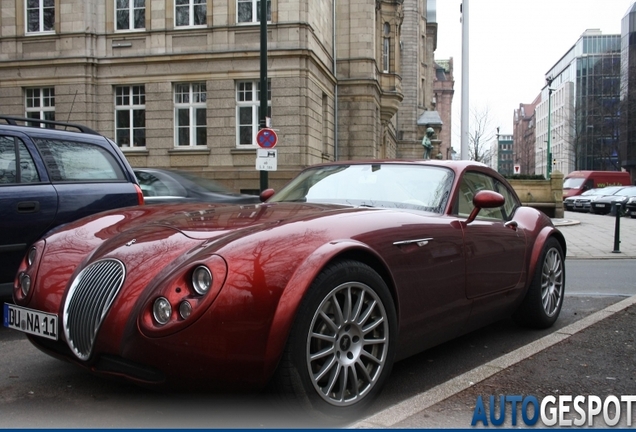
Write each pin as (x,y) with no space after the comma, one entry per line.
(512,225)
(28,207)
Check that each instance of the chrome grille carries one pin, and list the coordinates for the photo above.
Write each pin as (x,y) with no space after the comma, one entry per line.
(88,301)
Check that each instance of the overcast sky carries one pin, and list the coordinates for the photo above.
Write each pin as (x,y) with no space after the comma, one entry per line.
(512,44)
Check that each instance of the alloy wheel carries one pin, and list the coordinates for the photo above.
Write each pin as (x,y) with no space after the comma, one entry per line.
(347,344)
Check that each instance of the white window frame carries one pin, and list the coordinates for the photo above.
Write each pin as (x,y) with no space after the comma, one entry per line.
(131,8)
(40,8)
(194,100)
(250,100)
(42,104)
(192,4)
(255,9)
(136,96)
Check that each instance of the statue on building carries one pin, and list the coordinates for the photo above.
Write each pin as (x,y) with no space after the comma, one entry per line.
(426,142)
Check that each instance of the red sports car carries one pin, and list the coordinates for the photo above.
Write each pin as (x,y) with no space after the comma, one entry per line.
(314,293)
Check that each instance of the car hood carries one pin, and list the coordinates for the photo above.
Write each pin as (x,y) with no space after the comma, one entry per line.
(207,221)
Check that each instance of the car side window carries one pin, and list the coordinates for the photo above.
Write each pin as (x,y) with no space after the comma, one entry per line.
(16,167)
(511,202)
(470,184)
(78,161)
(151,185)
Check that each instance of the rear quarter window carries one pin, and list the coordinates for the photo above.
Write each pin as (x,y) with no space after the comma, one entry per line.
(78,161)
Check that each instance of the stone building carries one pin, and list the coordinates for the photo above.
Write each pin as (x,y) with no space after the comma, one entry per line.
(176,83)
(443,91)
(524,136)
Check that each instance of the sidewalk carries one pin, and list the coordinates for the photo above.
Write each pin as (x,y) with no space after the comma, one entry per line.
(592,236)
(592,356)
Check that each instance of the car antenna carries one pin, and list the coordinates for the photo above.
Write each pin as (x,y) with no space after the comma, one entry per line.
(68,119)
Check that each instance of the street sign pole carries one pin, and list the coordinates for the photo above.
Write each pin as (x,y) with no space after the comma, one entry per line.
(264,90)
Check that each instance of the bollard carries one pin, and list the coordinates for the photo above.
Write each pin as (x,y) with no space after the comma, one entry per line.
(617,227)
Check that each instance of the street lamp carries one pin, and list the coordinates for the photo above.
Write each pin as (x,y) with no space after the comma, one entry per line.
(549,161)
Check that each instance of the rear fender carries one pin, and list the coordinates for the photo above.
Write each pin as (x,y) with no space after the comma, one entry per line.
(543,236)
(295,291)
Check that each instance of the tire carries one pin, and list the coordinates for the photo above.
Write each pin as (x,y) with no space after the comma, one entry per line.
(543,301)
(341,346)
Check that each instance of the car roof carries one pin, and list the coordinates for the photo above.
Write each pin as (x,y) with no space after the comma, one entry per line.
(61,129)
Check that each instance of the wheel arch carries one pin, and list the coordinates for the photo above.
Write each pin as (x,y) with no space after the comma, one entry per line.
(301,280)
(545,234)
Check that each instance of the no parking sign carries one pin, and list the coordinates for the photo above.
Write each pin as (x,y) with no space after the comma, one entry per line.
(266,138)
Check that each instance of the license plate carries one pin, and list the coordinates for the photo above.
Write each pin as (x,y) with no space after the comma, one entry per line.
(600,205)
(30,321)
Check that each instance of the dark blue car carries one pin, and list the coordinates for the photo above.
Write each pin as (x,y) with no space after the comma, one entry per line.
(49,177)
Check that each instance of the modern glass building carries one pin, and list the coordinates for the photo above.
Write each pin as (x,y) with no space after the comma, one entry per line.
(583,97)
(627,137)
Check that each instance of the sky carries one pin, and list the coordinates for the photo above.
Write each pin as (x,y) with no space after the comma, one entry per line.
(512,45)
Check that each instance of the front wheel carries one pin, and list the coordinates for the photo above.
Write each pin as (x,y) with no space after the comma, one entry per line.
(341,347)
(544,299)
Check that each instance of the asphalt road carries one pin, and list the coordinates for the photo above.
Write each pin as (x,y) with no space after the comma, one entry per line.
(37,391)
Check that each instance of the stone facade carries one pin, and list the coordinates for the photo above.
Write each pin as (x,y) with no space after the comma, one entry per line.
(524,136)
(444,90)
(332,94)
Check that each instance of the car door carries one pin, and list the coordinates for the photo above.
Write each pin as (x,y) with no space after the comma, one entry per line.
(494,247)
(28,202)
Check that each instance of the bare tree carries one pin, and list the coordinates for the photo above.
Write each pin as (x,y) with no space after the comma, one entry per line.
(481,135)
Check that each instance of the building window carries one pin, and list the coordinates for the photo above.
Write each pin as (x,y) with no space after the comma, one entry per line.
(249,11)
(40,103)
(190,13)
(190,114)
(130,14)
(40,15)
(386,48)
(247,110)
(130,116)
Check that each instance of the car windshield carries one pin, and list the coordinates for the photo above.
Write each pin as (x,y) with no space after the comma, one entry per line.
(628,192)
(610,190)
(418,187)
(573,182)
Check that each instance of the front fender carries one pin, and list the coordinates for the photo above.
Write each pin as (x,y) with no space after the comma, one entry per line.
(295,291)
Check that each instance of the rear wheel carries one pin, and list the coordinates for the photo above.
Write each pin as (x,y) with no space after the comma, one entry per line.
(341,347)
(544,299)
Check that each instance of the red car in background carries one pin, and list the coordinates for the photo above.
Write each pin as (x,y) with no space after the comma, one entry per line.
(315,292)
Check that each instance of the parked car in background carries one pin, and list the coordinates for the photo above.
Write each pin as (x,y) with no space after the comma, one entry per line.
(577,182)
(605,205)
(161,186)
(582,202)
(316,291)
(50,177)
(630,207)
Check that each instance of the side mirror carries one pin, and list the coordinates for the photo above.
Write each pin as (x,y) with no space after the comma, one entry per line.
(485,199)
(266,194)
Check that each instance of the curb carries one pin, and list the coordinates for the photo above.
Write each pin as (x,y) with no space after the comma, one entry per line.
(405,409)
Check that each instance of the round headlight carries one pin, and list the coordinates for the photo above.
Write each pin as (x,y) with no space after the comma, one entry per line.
(25,284)
(201,280)
(162,310)
(185,309)
(31,256)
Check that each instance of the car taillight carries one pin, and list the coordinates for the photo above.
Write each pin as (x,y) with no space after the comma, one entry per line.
(140,195)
